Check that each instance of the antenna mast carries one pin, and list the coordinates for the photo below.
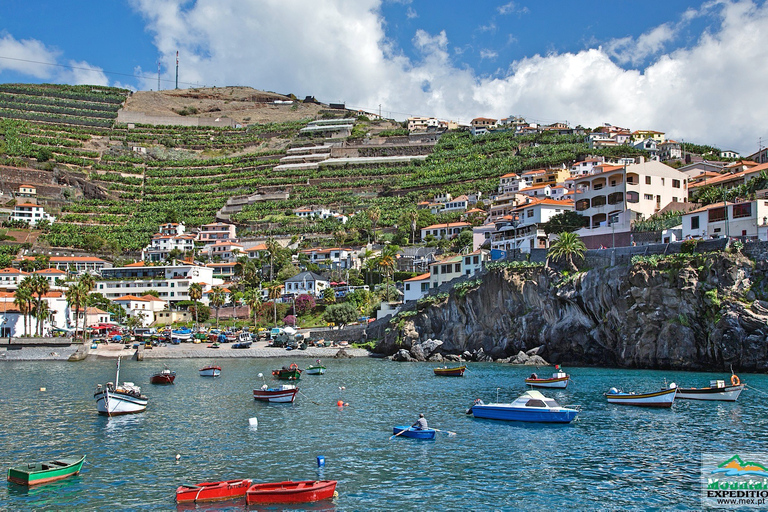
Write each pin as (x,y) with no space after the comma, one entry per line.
(158,75)
(177,69)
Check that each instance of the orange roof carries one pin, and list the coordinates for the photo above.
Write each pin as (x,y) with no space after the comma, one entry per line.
(152,298)
(49,271)
(449,225)
(29,204)
(419,278)
(129,297)
(260,247)
(510,175)
(8,307)
(545,202)
(137,264)
(709,207)
(90,310)
(10,270)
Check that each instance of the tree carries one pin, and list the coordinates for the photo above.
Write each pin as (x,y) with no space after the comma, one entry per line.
(196,293)
(565,222)
(41,312)
(137,320)
(23,300)
(373,214)
(464,240)
(88,283)
(77,297)
(40,286)
(340,314)
(275,289)
(252,299)
(329,295)
(272,248)
(216,298)
(387,262)
(304,304)
(568,246)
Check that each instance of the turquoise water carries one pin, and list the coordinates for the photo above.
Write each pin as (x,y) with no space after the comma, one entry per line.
(612,457)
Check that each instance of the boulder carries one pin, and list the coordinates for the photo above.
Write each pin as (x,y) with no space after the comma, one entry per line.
(437,357)
(342,354)
(422,351)
(402,355)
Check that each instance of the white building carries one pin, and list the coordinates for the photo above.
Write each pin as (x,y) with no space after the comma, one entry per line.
(524,229)
(449,230)
(334,258)
(161,246)
(306,282)
(415,287)
(217,232)
(615,198)
(748,219)
(30,213)
(142,307)
(170,281)
(456,266)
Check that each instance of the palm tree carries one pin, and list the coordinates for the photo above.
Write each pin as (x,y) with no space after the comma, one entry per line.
(40,286)
(364,255)
(23,299)
(413,216)
(568,246)
(252,299)
(387,262)
(77,298)
(216,298)
(41,312)
(374,214)
(196,293)
(272,248)
(89,284)
(235,297)
(274,294)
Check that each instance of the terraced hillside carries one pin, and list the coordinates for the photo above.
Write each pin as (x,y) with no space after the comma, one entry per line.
(154,174)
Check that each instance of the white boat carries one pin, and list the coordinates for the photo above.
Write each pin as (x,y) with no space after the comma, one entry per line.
(125,398)
(717,390)
(315,369)
(210,371)
(559,380)
(662,398)
(280,394)
(531,406)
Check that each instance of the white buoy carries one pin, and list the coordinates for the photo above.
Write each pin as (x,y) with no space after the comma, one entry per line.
(178,456)
(261,375)
(253,422)
(42,389)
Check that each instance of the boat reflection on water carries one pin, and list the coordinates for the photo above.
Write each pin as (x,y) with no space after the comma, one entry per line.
(122,425)
(239,505)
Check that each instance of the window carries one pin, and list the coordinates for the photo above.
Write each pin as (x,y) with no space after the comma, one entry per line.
(648,197)
(695,222)
(742,210)
(476,260)
(676,183)
(647,180)
(674,199)
(407,287)
(457,267)
(529,213)
(716,214)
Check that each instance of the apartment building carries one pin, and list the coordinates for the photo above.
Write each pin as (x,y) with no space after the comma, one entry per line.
(170,281)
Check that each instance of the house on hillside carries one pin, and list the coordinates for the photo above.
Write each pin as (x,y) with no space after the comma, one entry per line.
(745,219)
(30,213)
(306,282)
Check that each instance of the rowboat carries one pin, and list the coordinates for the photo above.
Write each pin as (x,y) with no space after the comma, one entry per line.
(291,492)
(125,398)
(290,373)
(314,370)
(717,390)
(457,371)
(281,394)
(663,398)
(531,406)
(38,473)
(212,491)
(558,380)
(181,334)
(163,377)
(210,371)
(412,432)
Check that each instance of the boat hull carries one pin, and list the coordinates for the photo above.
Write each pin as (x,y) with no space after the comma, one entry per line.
(291,492)
(210,372)
(505,412)
(162,378)
(44,472)
(559,383)
(726,394)
(115,403)
(414,433)
(287,374)
(315,370)
(212,491)
(450,372)
(275,395)
(661,399)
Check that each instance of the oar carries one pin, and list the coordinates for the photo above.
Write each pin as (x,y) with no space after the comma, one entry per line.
(446,431)
(401,432)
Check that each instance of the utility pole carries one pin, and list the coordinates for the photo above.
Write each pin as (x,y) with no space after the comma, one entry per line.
(158,75)
(177,69)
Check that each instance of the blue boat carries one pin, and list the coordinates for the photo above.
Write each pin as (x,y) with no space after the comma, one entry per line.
(415,433)
(531,406)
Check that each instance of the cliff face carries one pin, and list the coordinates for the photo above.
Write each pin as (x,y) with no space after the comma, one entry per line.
(699,312)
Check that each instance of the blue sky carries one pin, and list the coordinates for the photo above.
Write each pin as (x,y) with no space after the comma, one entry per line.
(692,69)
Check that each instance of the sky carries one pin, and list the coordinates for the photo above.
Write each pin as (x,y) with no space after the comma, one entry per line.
(695,70)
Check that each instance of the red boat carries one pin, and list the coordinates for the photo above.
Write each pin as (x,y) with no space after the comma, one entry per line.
(457,371)
(212,491)
(291,492)
(164,377)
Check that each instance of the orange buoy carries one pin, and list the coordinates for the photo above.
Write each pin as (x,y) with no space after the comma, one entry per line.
(340,403)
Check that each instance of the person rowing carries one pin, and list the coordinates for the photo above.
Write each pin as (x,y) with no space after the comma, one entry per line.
(421,423)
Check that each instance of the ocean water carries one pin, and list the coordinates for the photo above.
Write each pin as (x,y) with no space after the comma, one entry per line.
(611,458)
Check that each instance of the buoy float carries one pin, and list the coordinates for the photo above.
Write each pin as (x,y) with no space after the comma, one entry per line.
(178,456)
(320,461)
(42,389)
(340,403)
(254,422)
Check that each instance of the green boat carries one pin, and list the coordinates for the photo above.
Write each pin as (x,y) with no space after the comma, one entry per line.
(38,473)
(290,373)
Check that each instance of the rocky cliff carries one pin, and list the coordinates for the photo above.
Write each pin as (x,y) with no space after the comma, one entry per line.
(703,311)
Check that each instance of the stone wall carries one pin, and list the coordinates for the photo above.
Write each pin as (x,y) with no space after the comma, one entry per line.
(351,333)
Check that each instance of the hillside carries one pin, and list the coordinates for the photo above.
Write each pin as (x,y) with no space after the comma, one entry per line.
(110,184)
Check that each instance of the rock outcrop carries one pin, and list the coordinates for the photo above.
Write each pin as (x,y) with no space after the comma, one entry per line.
(688,312)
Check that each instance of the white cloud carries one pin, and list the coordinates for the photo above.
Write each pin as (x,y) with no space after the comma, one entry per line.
(411,13)
(511,8)
(488,54)
(28,56)
(711,92)
(81,73)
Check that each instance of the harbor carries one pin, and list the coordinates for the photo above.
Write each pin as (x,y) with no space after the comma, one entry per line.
(610,452)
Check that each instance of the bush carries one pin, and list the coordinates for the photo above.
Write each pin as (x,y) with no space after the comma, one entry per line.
(689,246)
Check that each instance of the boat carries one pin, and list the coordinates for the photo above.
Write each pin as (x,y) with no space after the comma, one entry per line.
(558,380)
(181,334)
(125,398)
(243,341)
(531,406)
(37,473)
(210,371)
(212,491)
(415,433)
(663,398)
(315,369)
(215,344)
(717,390)
(291,492)
(166,376)
(290,373)
(457,371)
(285,393)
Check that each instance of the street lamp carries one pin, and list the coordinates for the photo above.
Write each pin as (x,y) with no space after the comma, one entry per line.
(515,223)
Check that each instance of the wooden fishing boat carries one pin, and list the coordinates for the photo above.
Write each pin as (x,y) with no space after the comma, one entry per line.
(531,406)
(210,371)
(290,373)
(212,491)
(281,394)
(125,398)
(37,473)
(165,376)
(414,433)
(315,370)
(457,371)
(717,390)
(559,380)
(291,492)
(663,398)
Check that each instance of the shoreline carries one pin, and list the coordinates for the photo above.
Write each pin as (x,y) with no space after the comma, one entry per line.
(259,350)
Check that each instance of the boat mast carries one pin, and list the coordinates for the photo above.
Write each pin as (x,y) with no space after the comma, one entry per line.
(117,375)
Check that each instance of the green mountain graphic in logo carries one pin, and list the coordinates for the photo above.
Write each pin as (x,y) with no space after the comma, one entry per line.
(736,466)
